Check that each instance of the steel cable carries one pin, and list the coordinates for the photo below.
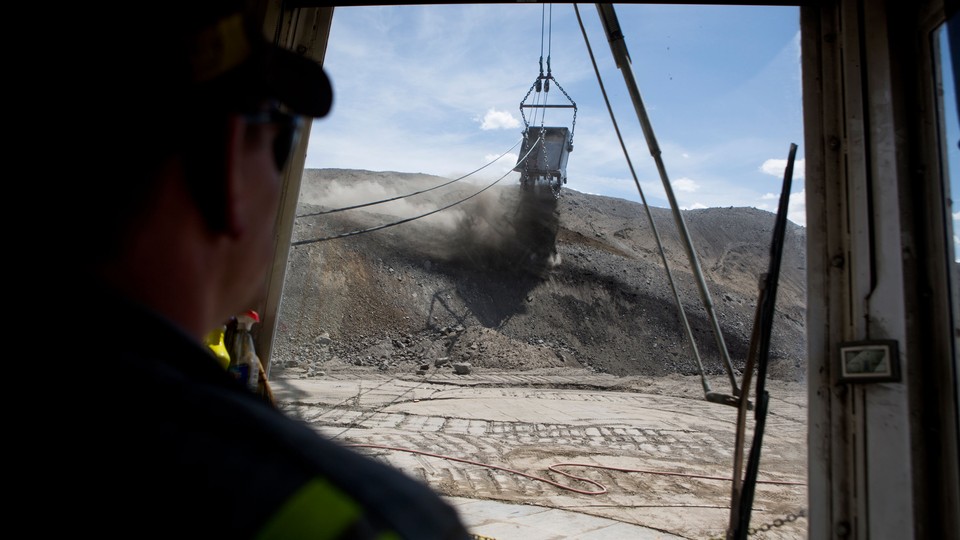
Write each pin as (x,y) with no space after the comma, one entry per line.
(324,212)
(407,220)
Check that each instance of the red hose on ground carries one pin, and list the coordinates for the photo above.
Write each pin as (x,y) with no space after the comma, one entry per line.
(602,488)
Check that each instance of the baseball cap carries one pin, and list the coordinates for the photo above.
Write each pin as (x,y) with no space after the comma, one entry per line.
(229,43)
(134,82)
(169,56)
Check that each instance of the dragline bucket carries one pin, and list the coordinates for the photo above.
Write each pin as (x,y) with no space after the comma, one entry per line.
(543,157)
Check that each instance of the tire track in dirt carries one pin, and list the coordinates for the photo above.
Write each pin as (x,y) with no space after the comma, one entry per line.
(671,440)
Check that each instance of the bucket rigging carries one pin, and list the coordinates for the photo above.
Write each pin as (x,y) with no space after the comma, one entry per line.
(543,162)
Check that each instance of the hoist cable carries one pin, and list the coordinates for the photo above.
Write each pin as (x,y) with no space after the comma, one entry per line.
(543,12)
(542,87)
(407,220)
(391,199)
(550,39)
(542,82)
(653,226)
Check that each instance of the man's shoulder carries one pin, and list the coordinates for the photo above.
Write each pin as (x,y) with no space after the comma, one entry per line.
(163,428)
(183,425)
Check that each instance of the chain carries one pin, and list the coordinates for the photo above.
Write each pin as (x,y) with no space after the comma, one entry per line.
(524,100)
(573,126)
(779,522)
(542,165)
(789,518)
(523,115)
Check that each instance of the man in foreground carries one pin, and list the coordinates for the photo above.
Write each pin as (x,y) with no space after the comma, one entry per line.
(178,120)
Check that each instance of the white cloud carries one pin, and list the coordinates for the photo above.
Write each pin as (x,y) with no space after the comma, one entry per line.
(695,206)
(495,119)
(493,169)
(502,159)
(685,184)
(776,167)
(797,211)
(956,216)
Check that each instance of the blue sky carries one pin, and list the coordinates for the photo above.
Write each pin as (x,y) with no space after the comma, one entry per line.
(952,126)
(436,89)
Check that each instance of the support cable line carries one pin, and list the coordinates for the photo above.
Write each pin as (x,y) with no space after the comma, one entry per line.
(708,393)
(445,184)
(407,220)
(619,49)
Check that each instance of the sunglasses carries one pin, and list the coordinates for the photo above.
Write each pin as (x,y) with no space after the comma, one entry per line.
(289,127)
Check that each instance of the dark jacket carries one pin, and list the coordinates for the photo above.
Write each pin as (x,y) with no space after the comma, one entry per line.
(147,436)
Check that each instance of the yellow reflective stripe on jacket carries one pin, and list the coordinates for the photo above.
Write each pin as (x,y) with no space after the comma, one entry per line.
(317,511)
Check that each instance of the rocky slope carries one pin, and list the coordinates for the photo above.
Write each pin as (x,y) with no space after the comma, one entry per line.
(507,281)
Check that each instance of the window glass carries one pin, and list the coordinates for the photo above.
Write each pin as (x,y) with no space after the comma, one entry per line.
(950,122)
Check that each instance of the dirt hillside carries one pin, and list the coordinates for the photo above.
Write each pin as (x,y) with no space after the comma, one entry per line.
(506,280)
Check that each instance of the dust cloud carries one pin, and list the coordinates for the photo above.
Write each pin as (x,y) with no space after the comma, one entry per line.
(515,231)
(505,229)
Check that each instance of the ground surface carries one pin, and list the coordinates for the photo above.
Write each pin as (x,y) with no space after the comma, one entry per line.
(656,454)
(523,332)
